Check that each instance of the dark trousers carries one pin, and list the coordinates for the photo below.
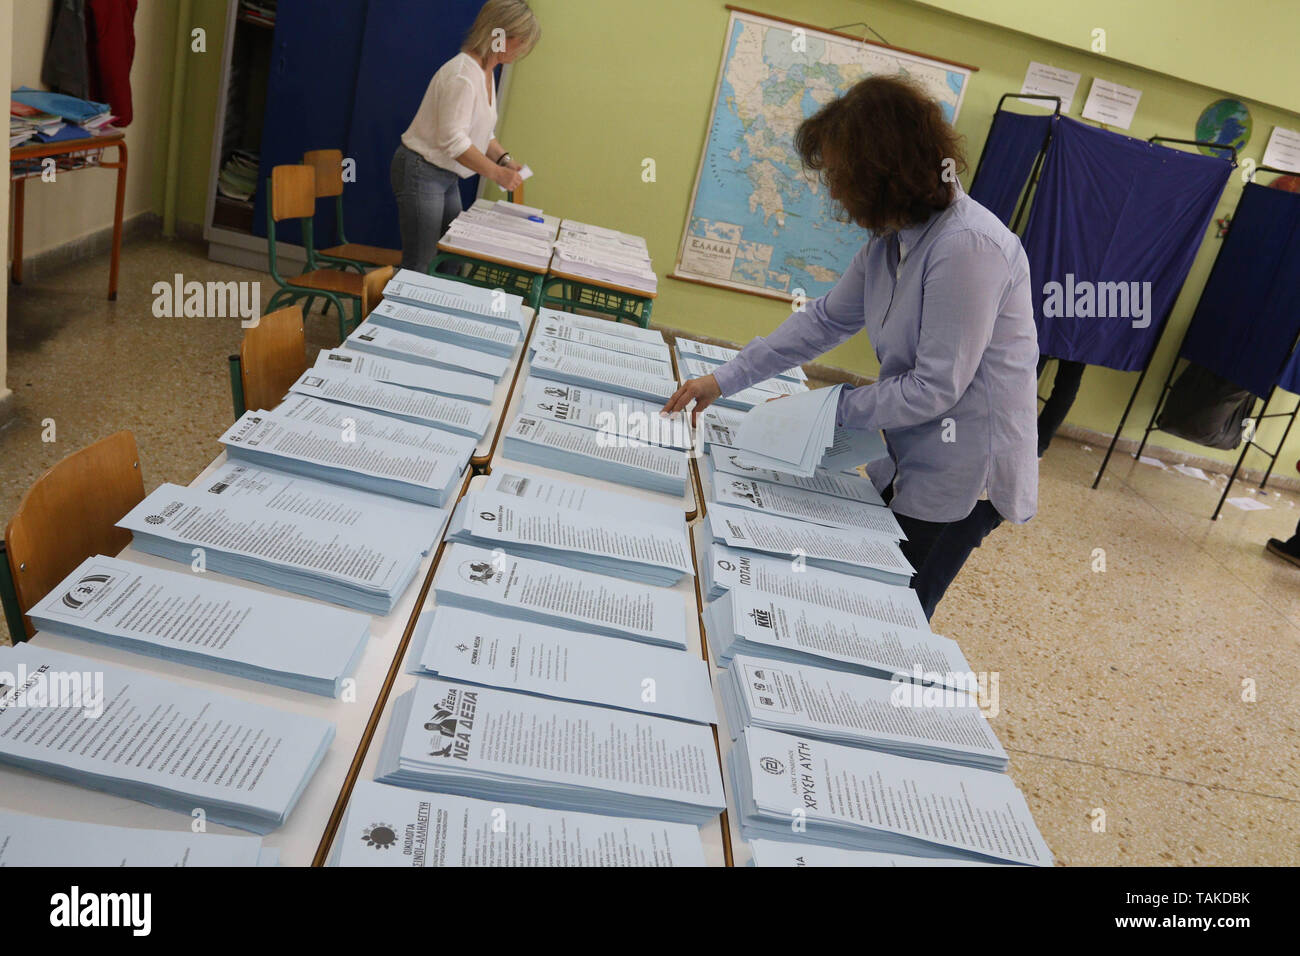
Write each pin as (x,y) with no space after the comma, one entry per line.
(1065,389)
(938,549)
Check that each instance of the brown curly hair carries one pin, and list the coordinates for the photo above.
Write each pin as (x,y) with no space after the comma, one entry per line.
(881,150)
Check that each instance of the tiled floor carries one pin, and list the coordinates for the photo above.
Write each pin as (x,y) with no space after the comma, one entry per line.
(1120,692)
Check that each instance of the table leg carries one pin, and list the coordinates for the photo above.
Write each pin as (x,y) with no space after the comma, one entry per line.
(117,222)
(20,192)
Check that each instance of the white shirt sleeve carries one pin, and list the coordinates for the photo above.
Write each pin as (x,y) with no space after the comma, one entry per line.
(454,115)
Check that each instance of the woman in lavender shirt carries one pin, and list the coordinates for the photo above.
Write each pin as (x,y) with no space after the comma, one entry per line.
(942,291)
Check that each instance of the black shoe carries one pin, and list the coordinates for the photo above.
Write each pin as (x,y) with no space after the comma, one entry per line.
(1284,550)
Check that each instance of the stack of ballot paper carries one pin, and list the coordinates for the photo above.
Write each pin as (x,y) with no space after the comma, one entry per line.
(516,217)
(692,366)
(550,327)
(629,420)
(473,388)
(773,853)
(476,648)
(356,454)
(405,347)
(724,569)
(135,735)
(42,841)
(599,374)
(622,547)
(597,454)
(391,826)
(813,507)
(448,295)
(615,360)
(858,799)
(455,415)
(194,619)
(446,327)
(928,723)
(718,427)
(750,622)
(537,592)
(721,463)
(792,434)
(604,256)
(367,566)
(483,234)
(555,319)
(586,498)
(717,355)
(488,743)
(868,554)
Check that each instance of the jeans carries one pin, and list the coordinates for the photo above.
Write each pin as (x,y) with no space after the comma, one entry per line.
(938,549)
(428,199)
(1065,389)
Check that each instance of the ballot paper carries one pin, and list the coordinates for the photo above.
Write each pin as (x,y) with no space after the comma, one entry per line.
(405,347)
(445,327)
(718,354)
(570,494)
(345,455)
(604,264)
(601,375)
(135,735)
(624,547)
(582,451)
(810,506)
(692,366)
(474,388)
(610,359)
(750,622)
(497,583)
(774,853)
(791,434)
(431,442)
(393,826)
(196,620)
(853,447)
(615,416)
(483,742)
(724,569)
(928,723)
(478,648)
(864,800)
(480,236)
(718,427)
(43,841)
(459,298)
(851,486)
(366,567)
(604,326)
(870,554)
(549,328)
(453,415)
(296,495)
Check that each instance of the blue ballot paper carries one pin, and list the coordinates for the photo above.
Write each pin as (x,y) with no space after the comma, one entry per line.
(194,619)
(446,295)
(849,485)
(497,583)
(602,375)
(776,853)
(617,418)
(790,434)
(557,325)
(622,547)
(453,415)
(482,742)
(135,735)
(393,826)
(405,347)
(474,388)
(855,799)
(716,355)
(446,327)
(564,663)
(366,567)
(612,359)
(594,500)
(43,841)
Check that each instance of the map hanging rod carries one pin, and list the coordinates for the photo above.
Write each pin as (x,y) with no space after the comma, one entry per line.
(865,26)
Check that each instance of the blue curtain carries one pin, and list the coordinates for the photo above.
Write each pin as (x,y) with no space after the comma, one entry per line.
(1111,209)
(1249,314)
(1013,144)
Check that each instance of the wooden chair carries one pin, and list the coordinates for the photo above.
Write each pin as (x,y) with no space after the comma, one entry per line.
(272,355)
(68,515)
(328,164)
(291,194)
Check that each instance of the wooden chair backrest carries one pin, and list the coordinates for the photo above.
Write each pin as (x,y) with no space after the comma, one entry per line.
(328,164)
(372,293)
(293,192)
(272,356)
(70,514)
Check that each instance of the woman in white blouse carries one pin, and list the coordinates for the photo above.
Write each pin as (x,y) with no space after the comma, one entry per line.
(453,135)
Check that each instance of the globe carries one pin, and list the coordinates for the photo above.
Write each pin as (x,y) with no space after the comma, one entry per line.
(1226,122)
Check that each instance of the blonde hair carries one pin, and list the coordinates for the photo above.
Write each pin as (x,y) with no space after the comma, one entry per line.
(514,17)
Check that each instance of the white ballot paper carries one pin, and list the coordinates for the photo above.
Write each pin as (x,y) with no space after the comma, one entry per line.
(43,841)
(807,506)
(405,347)
(473,388)
(595,323)
(483,742)
(477,648)
(601,375)
(432,442)
(839,484)
(459,298)
(497,583)
(749,622)
(791,434)
(615,361)
(445,327)
(864,800)
(693,367)
(454,415)
(176,746)
(773,853)
(194,619)
(564,332)
(858,552)
(570,494)
(617,417)
(393,826)
(928,723)
(625,547)
(718,427)
(365,567)
(718,354)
